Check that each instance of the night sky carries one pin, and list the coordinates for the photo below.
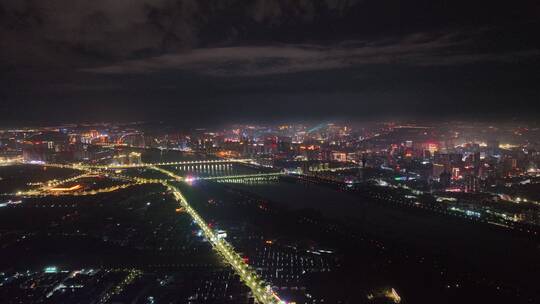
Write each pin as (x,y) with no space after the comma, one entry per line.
(200,62)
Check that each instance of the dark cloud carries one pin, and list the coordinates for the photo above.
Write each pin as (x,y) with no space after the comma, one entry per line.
(200,57)
(126,29)
(418,49)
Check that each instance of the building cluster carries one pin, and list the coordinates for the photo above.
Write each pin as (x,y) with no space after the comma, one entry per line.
(500,162)
(459,157)
(70,143)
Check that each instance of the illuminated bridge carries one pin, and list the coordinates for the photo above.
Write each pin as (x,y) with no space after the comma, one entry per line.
(253,177)
(121,166)
(178,163)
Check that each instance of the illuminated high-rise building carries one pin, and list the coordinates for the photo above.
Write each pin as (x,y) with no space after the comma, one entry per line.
(472,183)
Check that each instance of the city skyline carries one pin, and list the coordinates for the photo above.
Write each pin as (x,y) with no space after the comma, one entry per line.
(269,151)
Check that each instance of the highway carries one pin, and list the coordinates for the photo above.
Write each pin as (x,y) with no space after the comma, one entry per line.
(262,291)
(50,190)
(54,183)
(42,193)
